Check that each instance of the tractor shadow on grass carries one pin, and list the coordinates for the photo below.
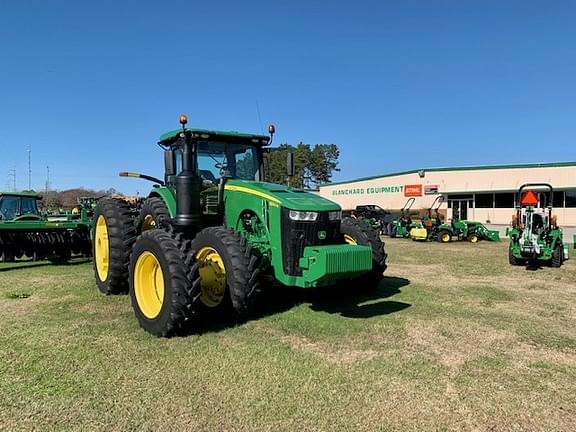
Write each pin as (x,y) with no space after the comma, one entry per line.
(349,303)
(344,300)
(29,264)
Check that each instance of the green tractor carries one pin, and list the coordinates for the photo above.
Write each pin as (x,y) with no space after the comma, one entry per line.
(460,229)
(401,225)
(212,234)
(535,235)
(430,224)
(25,231)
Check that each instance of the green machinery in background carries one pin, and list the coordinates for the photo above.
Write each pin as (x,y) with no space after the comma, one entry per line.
(213,234)
(432,228)
(463,230)
(460,229)
(403,223)
(25,231)
(429,223)
(375,215)
(535,235)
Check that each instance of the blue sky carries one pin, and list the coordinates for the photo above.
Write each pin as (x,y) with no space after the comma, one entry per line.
(396,84)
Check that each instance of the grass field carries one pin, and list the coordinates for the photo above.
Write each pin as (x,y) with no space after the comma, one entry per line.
(453,339)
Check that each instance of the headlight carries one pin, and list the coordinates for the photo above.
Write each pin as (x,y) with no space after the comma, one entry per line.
(307,216)
(335,215)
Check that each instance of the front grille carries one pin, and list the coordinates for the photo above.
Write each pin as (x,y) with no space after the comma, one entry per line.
(296,235)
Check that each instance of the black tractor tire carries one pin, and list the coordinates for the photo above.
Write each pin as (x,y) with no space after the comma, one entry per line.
(153,214)
(473,238)
(242,265)
(363,234)
(513,260)
(121,234)
(161,255)
(444,236)
(557,256)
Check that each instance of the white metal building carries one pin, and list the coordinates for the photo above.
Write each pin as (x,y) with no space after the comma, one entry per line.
(487,194)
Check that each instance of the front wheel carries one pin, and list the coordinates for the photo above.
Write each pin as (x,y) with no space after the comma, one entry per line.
(227,269)
(557,256)
(513,260)
(359,233)
(444,236)
(163,297)
(473,238)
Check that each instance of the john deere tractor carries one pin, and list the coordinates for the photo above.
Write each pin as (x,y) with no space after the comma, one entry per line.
(401,225)
(429,224)
(460,229)
(535,235)
(212,234)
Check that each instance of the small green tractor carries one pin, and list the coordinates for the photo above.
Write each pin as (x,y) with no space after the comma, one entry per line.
(463,230)
(460,229)
(401,225)
(213,234)
(25,231)
(429,225)
(535,235)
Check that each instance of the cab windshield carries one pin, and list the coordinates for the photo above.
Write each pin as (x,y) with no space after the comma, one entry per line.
(11,207)
(231,160)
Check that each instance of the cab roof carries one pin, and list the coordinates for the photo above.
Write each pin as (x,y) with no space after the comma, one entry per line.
(214,135)
(21,194)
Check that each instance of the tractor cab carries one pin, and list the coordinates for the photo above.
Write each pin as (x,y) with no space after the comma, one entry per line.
(19,206)
(219,155)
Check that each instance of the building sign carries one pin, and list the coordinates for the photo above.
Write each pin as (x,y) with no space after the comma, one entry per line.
(431,190)
(368,190)
(413,190)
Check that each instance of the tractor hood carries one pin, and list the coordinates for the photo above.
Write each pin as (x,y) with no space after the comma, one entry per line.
(292,199)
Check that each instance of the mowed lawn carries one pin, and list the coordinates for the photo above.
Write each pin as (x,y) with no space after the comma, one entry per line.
(453,339)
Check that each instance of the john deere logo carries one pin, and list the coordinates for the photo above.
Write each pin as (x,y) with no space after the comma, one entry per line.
(321,235)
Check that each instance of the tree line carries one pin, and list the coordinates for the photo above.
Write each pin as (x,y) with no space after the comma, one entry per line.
(314,165)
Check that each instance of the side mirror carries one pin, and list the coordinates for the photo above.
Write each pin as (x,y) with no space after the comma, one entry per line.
(169,163)
(290,164)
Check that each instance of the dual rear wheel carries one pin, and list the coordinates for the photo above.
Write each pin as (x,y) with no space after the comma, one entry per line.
(173,281)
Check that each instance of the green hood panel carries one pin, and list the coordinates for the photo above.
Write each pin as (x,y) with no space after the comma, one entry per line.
(292,199)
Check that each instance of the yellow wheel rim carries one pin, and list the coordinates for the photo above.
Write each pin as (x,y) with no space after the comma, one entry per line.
(101,248)
(473,239)
(148,223)
(350,240)
(212,276)
(445,238)
(149,285)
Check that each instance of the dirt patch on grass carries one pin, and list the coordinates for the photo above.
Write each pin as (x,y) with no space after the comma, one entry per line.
(21,306)
(330,354)
(452,344)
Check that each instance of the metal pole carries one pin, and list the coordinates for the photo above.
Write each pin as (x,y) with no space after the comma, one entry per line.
(29,167)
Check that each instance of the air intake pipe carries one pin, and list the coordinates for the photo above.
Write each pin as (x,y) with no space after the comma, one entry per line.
(188,187)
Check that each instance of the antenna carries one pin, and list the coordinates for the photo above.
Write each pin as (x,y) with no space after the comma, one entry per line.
(29,167)
(259,118)
(47,178)
(12,178)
